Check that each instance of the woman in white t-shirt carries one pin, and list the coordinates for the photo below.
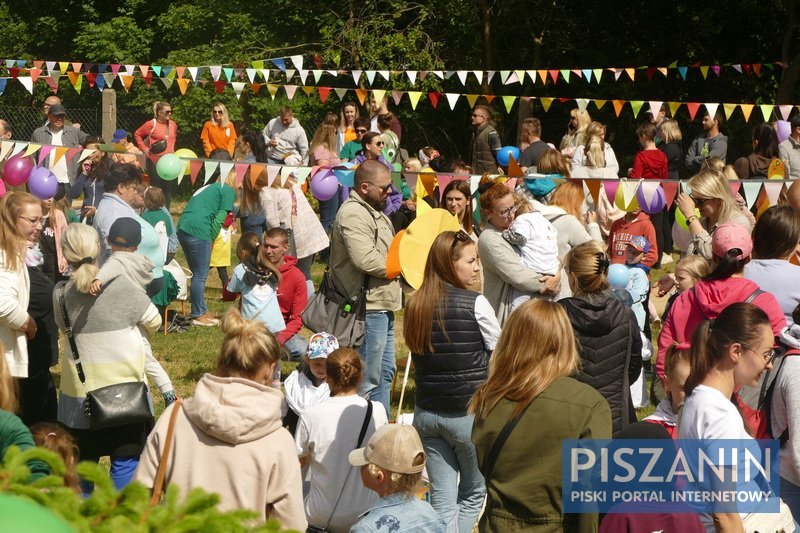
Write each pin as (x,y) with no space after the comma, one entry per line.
(729,352)
(334,496)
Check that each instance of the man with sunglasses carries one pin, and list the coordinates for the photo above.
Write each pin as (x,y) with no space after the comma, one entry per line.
(360,241)
(485,141)
(57,132)
(350,150)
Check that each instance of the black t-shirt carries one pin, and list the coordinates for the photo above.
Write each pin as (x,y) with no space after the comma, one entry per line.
(530,156)
(47,244)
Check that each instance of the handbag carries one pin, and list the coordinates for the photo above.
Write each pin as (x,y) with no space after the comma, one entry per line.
(158,146)
(160,483)
(341,316)
(361,435)
(114,405)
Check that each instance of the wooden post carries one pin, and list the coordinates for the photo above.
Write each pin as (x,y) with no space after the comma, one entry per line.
(109,117)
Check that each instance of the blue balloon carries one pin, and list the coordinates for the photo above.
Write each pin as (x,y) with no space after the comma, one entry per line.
(505,151)
(618,276)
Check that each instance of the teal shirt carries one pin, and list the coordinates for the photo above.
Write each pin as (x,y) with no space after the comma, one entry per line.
(14,433)
(199,218)
(350,150)
(154,216)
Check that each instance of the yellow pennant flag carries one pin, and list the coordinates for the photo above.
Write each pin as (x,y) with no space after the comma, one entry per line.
(631,72)
(636,105)
(471,99)
(546,103)
(746,110)
(308,89)
(273,89)
(766,110)
(729,109)
(673,107)
(509,102)
(414,97)
(704,72)
(32,148)
(599,104)
(63,65)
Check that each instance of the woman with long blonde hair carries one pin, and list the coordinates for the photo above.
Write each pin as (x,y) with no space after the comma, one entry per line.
(531,382)
(451,332)
(596,154)
(579,120)
(219,132)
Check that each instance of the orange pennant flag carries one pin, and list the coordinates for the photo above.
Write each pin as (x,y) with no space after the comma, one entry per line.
(362,95)
(746,110)
(183,84)
(255,172)
(594,188)
(73,77)
(60,151)
(127,81)
(255,87)
(618,105)
(514,170)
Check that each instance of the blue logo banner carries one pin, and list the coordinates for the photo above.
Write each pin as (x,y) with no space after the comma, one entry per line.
(670,476)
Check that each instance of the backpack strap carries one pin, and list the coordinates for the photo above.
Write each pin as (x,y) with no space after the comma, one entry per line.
(753,296)
(767,393)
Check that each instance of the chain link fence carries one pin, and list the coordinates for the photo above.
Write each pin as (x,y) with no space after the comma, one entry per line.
(24,120)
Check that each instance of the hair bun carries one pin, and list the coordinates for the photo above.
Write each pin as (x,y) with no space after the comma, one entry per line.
(235,325)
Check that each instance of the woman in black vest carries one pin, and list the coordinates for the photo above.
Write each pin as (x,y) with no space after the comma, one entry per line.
(451,332)
(606,330)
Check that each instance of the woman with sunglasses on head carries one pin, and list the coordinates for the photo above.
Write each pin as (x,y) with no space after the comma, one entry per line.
(730,352)
(156,138)
(372,150)
(732,248)
(448,373)
(503,269)
(218,133)
(711,195)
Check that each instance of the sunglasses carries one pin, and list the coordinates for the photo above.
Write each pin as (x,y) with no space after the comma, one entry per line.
(217,111)
(461,236)
(361,131)
(379,143)
(698,202)
(385,189)
(167,112)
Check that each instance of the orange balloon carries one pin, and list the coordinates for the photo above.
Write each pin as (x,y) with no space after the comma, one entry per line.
(393,257)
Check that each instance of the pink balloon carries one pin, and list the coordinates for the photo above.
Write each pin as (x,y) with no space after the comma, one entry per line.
(42,183)
(2,189)
(657,202)
(784,129)
(324,185)
(17,170)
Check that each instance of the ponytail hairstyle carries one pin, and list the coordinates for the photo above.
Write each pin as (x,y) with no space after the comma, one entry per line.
(728,265)
(158,106)
(738,323)
(587,269)
(491,192)
(81,246)
(345,370)
(247,347)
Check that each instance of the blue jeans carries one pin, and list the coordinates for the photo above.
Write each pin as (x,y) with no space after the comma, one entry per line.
(377,353)
(198,255)
(457,486)
(790,494)
(329,208)
(296,346)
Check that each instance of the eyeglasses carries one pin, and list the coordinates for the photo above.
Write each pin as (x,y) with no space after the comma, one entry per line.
(33,221)
(167,112)
(767,356)
(698,202)
(506,213)
(217,111)
(362,132)
(384,189)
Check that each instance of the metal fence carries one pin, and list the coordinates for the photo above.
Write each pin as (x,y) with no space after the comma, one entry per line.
(24,120)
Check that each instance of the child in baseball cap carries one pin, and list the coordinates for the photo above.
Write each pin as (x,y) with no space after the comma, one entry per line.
(307,385)
(391,465)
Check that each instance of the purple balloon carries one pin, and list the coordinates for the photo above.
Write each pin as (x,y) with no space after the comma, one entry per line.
(17,170)
(42,183)
(324,184)
(783,129)
(657,202)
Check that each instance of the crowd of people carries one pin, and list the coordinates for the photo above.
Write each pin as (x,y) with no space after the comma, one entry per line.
(521,317)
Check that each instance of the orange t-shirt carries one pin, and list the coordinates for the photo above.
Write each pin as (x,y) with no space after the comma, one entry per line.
(215,137)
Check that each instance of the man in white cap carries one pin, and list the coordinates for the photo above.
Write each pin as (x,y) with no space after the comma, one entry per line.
(391,465)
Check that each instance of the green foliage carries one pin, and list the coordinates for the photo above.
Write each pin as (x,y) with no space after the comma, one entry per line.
(111,511)
(118,40)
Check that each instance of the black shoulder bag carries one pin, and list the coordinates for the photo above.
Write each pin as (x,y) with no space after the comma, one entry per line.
(113,405)
(361,435)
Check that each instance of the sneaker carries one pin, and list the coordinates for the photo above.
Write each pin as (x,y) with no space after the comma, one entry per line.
(205,320)
(666,259)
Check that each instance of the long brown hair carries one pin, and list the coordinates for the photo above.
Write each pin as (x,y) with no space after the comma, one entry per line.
(777,233)
(569,197)
(251,192)
(520,370)
(461,186)
(12,241)
(423,304)
(326,133)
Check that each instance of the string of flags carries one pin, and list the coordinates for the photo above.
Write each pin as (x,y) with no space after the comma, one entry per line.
(623,192)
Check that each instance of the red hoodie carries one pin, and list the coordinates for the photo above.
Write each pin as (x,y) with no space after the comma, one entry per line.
(292,298)
(705,302)
(622,231)
(650,164)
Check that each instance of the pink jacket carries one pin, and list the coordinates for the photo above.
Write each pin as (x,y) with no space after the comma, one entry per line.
(705,302)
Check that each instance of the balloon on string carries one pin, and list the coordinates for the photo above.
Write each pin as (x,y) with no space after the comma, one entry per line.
(783,129)
(17,170)
(170,166)
(505,152)
(324,184)
(187,154)
(657,202)
(681,220)
(42,183)
(618,276)
(681,238)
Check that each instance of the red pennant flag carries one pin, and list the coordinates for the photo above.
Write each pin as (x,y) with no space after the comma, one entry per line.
(670,191)
(554,75)
(735,186)
(53,84)
(434,98)
(194,169)
(149,78)
(14,71)
(323,93)
(72,152)
(35,73)
(692,107)
(650,72)
(91,77)
(241,170)
(219,86)
(746,68)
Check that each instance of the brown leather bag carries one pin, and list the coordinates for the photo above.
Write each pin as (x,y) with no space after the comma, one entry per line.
(160,483)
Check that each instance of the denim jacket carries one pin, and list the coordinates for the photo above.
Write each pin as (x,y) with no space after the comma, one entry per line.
(399,513)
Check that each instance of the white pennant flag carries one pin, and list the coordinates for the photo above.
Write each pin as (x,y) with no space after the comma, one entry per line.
(317,75)
(289,73)
(452,99)
(385,74)
(26,82)
(225,168)
(711,109)
(371,77)
(238,87)
(210,167)
(215,72)
(462,76)
(655,109)
(438,73)
(302,74)
(356,76)
(285,173)
(290,90)
(478,75)
(265,72)
(251,74)
(193,73)
(297,61)
(412,76)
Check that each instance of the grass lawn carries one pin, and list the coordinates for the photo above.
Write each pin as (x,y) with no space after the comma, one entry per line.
(187,356)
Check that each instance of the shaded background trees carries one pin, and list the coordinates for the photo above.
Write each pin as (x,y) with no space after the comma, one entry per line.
(433,35)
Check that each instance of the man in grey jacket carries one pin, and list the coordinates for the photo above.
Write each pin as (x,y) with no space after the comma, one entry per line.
(360,240)
(57,133)
(711,143)
(286,140)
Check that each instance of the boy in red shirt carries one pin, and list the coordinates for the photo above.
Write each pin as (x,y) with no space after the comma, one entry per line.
(650,162)
(623,230)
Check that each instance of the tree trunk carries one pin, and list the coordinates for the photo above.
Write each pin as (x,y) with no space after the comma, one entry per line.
(488,55)
(791,65)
